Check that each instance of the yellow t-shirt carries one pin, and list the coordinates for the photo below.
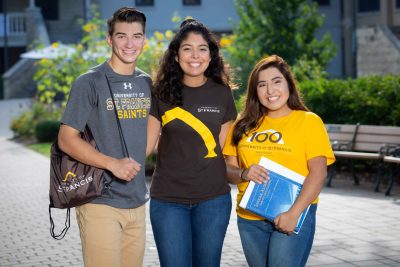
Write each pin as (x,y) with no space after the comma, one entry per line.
(290,141)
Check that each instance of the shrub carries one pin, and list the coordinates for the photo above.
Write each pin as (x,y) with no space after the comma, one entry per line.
(149,60)
(47,131)
(371,100)
(24,125)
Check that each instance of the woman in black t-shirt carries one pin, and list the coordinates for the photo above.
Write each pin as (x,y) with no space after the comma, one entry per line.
(193,108)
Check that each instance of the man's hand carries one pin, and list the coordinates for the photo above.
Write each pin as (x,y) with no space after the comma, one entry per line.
(124,169)
(71,143)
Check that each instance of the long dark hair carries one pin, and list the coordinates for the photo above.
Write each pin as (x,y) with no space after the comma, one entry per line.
(169,80)
(254,111)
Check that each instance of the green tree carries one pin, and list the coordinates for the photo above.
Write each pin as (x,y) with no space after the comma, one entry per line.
(283,27)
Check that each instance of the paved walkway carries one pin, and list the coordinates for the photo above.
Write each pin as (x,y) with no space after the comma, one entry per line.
(355,226)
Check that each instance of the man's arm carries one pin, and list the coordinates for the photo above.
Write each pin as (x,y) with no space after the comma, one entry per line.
(70,142)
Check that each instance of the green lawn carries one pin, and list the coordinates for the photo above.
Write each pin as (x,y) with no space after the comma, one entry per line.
(42,148)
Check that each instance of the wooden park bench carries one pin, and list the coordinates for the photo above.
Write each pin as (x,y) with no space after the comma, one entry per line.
(370,142)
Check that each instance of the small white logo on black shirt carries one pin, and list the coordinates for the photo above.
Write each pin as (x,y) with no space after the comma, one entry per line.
(208,109)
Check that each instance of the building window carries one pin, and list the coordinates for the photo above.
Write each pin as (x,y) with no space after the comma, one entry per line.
(191,2)
(323,2)
(144,2)
(49,9)
(397,3)
(369,5)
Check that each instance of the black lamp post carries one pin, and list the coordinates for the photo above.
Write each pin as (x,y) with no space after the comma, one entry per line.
(5,50)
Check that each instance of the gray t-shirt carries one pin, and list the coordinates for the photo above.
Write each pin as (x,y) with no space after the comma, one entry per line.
(90,103)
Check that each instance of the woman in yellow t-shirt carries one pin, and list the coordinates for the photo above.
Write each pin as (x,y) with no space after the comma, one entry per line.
(276,124)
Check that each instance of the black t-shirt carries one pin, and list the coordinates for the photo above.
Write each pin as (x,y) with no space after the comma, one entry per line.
(190,166)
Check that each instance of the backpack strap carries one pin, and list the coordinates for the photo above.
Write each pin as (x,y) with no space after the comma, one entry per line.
(67,224)
(99,75)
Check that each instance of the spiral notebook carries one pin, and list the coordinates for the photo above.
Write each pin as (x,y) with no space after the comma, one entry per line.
(270,199)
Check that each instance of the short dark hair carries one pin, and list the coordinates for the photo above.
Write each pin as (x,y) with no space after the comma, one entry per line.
(126,14)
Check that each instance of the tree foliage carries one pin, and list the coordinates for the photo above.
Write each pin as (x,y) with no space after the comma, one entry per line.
(283,27)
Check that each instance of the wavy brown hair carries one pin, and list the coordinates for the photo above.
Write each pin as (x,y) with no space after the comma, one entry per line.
(169,80)
(254,111)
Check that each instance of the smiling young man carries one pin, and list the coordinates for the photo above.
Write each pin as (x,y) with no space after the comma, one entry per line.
(112,227)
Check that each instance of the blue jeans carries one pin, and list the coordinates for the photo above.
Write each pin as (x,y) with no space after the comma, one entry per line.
(264,246)
(190,234)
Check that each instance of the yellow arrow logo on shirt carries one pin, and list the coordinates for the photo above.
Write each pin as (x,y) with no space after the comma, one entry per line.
(196,124)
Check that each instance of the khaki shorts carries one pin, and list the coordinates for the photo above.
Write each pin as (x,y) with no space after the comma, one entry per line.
(112,236)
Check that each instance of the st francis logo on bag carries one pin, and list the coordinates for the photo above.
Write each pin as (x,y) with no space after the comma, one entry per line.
(68,174)
(73,183)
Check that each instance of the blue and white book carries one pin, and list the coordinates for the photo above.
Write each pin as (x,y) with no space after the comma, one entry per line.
(270,199)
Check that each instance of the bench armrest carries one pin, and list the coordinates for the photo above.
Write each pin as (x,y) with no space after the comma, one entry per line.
(396,152)
(389,150)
